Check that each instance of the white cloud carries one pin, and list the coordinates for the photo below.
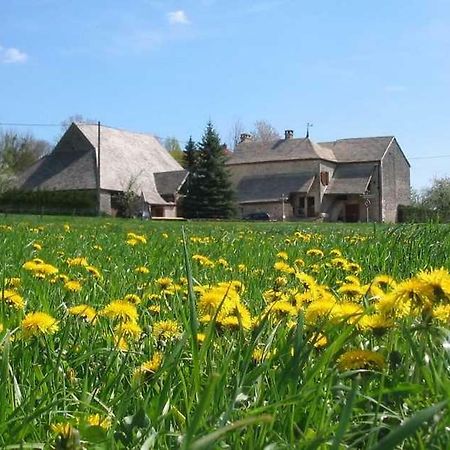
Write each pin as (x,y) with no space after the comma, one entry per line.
(178,17)
(12,55)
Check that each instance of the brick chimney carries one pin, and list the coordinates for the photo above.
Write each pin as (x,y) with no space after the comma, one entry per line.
(288,134)
(245,137)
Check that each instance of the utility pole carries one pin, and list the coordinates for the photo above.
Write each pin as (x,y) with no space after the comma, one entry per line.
(98,169)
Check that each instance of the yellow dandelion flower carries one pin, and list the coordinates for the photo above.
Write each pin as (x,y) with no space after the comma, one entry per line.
(435,284)
(95,420)
(222,262)
(239,317)
(156,309)
(353,267)
(307,281)
(319,310)
(360,359)
(236,285)
(348,311)
(282,255)
(340,263)
(336,253)
(384,282)
(63,429)
(242,268)
(390,305)
(442,313)
(12,282)
(73,286)
(38,323)
(84,311)
(315,252)
(280,309)
(93,271)
(78,261)
(150,367)
(135,239)
(13,299)
(129,330)
(66,227)
(37,246)
(375,322)
(282,266)
(141,269)
(164,282)
(319,340)
(201,337)
(121,310)
(166,329)
(132,298)
(353,291)
(415,291)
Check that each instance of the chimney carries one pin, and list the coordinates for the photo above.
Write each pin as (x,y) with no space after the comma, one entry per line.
(288,134)
(245,137)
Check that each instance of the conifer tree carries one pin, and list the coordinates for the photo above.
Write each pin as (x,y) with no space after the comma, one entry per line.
(210,194)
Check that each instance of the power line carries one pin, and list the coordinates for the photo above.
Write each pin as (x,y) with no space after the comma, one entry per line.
(162,138)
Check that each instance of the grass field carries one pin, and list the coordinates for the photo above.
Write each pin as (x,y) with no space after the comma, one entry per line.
(129,334)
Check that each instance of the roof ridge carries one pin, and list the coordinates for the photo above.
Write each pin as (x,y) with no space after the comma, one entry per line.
(122,130)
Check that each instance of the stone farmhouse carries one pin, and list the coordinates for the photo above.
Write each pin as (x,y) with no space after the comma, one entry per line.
(351,180)
(125,162)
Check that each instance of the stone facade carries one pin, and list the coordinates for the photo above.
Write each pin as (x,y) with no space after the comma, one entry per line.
(352,180)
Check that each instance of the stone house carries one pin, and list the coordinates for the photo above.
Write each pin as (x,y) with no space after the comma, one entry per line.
(126,162)
(351,180)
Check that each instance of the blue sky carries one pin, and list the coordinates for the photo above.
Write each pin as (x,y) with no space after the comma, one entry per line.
(351,67)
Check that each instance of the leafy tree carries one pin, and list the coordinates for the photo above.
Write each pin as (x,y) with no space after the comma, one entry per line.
(437,196)
(173,147)
(209,194)
(18,152)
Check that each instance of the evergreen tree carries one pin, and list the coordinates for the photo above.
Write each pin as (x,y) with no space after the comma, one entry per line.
(210,194)
(189,155)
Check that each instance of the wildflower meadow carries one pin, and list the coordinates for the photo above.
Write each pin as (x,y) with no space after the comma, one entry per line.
(219,335)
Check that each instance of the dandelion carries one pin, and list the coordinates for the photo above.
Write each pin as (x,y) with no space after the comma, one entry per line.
(132,298)
(242,268)
(129,330)
(282,266)
(78,261)
(435,284)
(141,269)
(282,255)
(156,309)
(315,252)
(375,322)
(73,286)
(85,312)
(442,313)
(135,239)
(166,329)
(12,282)
(93,271)
(148,368)
(37,246)
(63,429)
(360,359)
(13,299)
(95,420)
(319,340)
(38,323)
(319,310)
(120,310)
(281,309)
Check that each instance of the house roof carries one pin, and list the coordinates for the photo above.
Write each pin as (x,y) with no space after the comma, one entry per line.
(282,149)
(342,150)
(359,149)
(168,183)
(68,171)
(127,161)
(351,179)
(263,188)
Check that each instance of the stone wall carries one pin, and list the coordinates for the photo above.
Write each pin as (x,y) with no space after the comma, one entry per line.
(395,182)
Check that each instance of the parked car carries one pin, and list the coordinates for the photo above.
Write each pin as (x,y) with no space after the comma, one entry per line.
(261,215)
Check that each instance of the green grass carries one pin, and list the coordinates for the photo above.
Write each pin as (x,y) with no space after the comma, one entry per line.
(216,393)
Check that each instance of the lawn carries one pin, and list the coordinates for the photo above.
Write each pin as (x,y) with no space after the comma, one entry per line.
(203,335)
